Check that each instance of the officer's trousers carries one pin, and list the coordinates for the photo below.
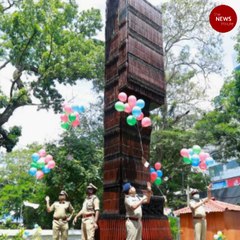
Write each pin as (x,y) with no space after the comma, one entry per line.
(134,229)
(200,228)
(60,228)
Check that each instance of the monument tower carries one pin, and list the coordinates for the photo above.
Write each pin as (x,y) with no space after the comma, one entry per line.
(134,64)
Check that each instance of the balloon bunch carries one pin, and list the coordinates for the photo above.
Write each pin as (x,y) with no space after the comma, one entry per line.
(219,236)
(132,105)
(197,157)
(71,116)
(42,163)
(156,174)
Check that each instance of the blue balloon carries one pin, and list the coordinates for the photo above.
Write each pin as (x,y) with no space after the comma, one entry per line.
(140,103)
(136,111)
(195,160)
(45,169)
(209,161)
(190,151)
(152,169)
(32,171)
(159,173)
(81,109)
(35,157)
(75,108)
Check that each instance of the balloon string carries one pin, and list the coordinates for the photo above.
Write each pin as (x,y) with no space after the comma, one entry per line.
(160,190)
(140,138)
(35,186)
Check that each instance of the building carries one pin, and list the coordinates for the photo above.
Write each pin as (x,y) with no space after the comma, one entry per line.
(226,181)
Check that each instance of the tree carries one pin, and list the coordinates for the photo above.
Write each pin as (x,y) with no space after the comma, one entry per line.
(221,127)
(47,43)
(192,53)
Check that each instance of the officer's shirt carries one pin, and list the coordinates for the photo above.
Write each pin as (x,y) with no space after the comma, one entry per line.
(61,209)
(199,211)
(129,201)
(90,205)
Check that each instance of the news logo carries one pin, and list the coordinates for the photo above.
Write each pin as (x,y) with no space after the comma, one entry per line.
(223,18)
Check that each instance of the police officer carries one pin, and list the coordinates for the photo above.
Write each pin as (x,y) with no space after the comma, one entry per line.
(133,204)
(61,216)
(89,213)
(199,214)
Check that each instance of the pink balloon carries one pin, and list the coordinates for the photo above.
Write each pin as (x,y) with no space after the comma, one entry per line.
(42,153)
(48,158)
(122,96)
(68,109)
(184,152)
(207,155)
(158,165)
(203,165)
(132,100)
(153,176)
(64,118)
(76,123)
(146,122)
(128,108)
(140,117)
(203,156)
(39,174)
(51,164)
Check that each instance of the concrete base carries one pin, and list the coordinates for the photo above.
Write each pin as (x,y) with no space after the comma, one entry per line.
(45,234)
(114,228)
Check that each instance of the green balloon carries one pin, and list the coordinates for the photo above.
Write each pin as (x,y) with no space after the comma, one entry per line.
(34,164)
(158,181)
(65,125)
(40,165)
(72,117)
(196,149)
(131,120)
(119,106)
(187,160)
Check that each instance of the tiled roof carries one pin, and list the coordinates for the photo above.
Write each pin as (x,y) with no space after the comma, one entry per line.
(211,206)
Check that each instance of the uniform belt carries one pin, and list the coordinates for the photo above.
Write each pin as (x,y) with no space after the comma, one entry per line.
(88,215)
(133,218)
(55,218)
(200,218)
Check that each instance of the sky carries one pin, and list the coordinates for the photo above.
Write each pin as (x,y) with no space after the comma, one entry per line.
(42,126)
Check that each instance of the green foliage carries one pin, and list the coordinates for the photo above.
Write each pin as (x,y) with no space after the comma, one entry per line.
(174,226)
(221,126)
(18,236)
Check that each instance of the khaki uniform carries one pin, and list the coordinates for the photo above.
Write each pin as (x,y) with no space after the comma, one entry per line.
(134,218)
(90,206)
(60,224)
(199,221)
